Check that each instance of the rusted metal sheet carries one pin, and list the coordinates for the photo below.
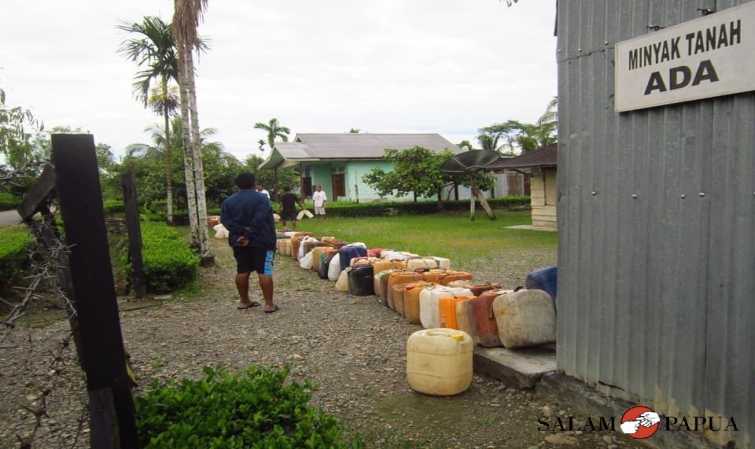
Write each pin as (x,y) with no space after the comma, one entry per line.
(657,227)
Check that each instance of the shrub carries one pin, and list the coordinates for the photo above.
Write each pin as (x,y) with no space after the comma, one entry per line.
(169,263)
(15,243)
(113,207)
(9,201)
(373,209)
(254,409)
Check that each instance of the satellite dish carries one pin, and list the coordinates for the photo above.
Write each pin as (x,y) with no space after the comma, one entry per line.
(469,161)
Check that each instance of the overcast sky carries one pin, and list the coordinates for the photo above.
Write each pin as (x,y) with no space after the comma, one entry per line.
(446,66)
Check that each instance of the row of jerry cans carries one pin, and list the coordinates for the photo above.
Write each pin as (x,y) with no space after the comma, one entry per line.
(490,315)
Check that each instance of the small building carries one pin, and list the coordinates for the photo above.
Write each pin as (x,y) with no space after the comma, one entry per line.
(339,161)
(540,166)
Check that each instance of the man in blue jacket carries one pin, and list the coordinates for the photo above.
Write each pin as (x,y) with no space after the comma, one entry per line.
(248,216)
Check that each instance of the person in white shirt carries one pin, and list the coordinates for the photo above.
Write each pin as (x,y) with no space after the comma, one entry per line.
(319,199)
(261,189)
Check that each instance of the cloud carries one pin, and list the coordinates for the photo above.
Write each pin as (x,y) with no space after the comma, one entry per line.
(391,66)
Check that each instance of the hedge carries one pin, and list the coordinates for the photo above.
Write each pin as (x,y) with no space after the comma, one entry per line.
(169,263)
(257,408)
(15,243)
(374,209)
(381,208)
(9,201)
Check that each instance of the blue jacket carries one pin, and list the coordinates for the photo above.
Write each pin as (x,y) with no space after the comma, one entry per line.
(248,213)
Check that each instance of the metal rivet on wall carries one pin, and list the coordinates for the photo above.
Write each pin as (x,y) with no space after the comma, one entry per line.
(605,42)
(684,196)
(594,193)
(634,195)
(702,194)
(579,50)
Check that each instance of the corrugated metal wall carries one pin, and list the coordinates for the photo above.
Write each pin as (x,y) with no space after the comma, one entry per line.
(656,291)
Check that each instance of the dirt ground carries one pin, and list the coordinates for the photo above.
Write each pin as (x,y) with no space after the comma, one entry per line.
(352,348)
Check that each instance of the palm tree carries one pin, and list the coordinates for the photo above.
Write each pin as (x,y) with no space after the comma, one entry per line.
(274,130)
(153,48)
(488,142)
(186,18)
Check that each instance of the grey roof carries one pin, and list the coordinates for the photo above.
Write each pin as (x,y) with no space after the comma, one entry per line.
(346,146)
(546,156)
(366,145)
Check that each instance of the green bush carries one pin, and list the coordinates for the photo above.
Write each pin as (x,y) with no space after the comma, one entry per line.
(169,263)
(15,243)
(9,201)
(374,209)
(254,409)
(113,207)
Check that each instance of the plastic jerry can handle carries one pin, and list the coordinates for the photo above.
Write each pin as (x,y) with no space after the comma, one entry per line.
(458,336)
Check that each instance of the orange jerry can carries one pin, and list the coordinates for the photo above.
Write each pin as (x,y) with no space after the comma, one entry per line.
(455,276)
(383,265)
(486,327)
(447,310)
(434,276)
(411,300)
(400,277)
(397,297)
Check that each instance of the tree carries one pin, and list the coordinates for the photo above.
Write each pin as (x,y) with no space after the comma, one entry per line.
(274,130)
(355,131)
(287,177)
(525,136)
(186,19)
(465,145)
(153,48)
(17,129)
(415,170)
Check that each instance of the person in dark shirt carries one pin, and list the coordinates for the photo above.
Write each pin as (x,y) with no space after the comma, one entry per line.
(248,216)
(289,201)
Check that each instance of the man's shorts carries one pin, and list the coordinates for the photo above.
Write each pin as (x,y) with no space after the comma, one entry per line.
(319,211)
(250,259)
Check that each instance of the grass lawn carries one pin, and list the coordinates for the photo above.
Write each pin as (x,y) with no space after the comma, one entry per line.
(450,235)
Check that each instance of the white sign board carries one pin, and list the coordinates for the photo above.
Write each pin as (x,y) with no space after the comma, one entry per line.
(703,58)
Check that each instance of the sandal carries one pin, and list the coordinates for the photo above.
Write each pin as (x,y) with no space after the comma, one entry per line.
(248,306)
(273,310)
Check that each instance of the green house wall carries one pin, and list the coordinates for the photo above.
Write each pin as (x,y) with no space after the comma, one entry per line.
(356,189)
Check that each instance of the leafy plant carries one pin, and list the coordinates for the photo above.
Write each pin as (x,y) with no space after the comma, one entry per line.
(256,408)
(9,201)
(14,249)
(169,263)
(415,170)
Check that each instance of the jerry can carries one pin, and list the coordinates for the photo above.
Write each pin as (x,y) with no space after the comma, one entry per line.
(447,310)
(429,313)
(400,277)
(411,300)
(525,318)
(360,281)
(439,362)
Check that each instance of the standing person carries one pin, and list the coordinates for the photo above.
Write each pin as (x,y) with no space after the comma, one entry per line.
(289,201)
(248,216)
(319,198)
(261,189)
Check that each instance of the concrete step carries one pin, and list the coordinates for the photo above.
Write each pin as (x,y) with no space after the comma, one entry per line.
(521,368)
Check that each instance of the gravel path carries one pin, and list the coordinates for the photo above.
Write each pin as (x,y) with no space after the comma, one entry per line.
(352,348)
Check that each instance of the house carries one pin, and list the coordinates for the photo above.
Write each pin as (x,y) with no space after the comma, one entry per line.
(339,161)
(541,165)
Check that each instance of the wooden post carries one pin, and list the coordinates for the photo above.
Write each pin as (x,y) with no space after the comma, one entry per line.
(131,203)
(111,408)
